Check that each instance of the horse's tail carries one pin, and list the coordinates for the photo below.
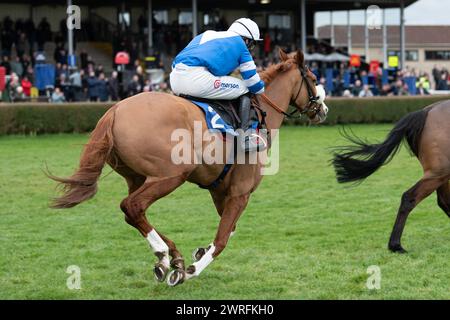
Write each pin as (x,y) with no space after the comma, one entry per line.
(82,185)
(357,162)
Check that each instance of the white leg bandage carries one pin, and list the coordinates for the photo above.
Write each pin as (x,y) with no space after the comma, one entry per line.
(204,261)
(159,246)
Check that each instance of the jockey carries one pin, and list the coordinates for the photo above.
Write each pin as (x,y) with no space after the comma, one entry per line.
(202,70)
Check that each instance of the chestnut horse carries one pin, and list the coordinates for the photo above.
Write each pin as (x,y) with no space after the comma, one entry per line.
(134,138)
(426,132)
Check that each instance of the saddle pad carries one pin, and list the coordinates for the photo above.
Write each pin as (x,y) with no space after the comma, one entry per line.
(213,120)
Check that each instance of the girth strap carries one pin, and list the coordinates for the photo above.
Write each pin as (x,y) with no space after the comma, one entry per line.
(219,179)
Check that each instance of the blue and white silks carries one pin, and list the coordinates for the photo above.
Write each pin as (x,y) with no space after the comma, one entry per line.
(222,53)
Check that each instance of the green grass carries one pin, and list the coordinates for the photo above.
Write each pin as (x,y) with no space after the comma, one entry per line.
(303,236)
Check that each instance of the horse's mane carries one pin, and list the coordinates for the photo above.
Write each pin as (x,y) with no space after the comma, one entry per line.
(271,72)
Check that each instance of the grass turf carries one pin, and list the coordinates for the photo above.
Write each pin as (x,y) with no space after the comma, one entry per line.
(303,236)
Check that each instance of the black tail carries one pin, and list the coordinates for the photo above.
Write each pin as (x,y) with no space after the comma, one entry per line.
(357,162)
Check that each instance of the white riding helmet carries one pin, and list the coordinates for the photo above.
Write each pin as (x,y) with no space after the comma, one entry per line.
(246,28)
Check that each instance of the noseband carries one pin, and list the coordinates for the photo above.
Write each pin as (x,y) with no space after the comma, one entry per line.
(312,104)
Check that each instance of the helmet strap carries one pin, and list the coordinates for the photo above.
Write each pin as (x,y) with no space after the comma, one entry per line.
(247,29)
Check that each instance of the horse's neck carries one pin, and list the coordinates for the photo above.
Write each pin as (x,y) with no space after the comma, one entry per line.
(279,93)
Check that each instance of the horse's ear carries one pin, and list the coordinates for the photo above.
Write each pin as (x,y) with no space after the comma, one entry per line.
(283,55)
(300,58)
(285,66)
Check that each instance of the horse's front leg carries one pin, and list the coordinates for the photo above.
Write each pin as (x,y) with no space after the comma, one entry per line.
(233,208)
(219,201)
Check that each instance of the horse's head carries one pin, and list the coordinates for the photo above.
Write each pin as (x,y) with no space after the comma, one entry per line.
(307,96)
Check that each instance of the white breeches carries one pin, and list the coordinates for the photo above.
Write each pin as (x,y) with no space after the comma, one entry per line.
(199,82)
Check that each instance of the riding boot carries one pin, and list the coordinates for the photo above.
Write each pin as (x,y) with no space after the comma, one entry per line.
(250,141)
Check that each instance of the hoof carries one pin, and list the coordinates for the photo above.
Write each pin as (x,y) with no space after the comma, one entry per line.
(176,277)
(177,263)
(198,254)
(397,249)
(190,270)
(160,272)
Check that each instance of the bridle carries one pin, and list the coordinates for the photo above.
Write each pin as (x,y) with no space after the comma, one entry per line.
(311,106)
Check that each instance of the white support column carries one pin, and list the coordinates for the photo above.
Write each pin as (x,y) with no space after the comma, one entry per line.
(194,18)
(385,55)
(331,29)
(402,34)
(69,35)
(366,38)
(349,33)
(150,25)
(303,24)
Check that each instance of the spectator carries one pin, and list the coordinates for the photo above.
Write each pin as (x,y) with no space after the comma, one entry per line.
(40,57)
(421,91)
(399,88)
(365,92)
(75,86)
(387,90)
(92,87)
(60,54)
(29,73)
(347,94)
(5,63)
(147,86)
(140,73)
(26,62)
(99,70)
(338,86)
(442,84)
(357,88)
(102,88)
(84,85)
(134,87)
(26,86)
(19,94)
(17,67)
(113,86)
(58,96)
(11,87)
(436,75)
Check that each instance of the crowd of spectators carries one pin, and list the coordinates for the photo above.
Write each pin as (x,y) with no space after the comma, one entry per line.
(342,80)
(23,44)
(23,49)
(363,83)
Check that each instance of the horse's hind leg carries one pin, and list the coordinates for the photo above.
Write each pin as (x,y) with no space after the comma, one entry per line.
(443,197)
(410,200)
(134,207)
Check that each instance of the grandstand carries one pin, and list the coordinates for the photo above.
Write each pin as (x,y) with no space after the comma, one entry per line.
(107,29)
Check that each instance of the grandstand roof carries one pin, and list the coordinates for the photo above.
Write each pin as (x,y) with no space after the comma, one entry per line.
(316,5)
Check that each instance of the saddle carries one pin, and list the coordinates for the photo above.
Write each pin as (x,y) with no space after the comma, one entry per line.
(227,109)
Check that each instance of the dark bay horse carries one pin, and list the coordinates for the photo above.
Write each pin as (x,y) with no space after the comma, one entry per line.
(427,133)
(134,138)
